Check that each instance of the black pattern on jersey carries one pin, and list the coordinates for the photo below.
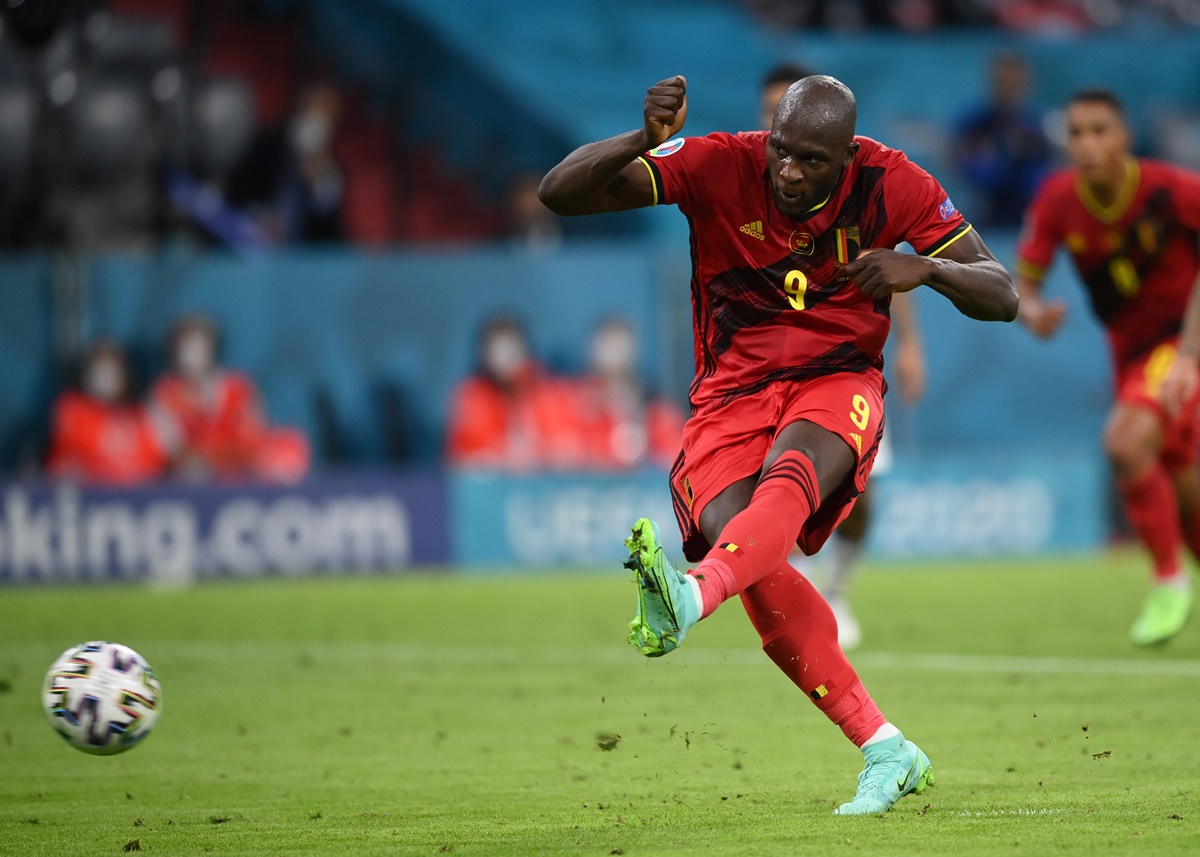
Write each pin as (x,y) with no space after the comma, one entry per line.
(742,298)
(1140,247)
(841,358)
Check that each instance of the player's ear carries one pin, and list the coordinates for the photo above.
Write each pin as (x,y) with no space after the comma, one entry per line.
(851,151)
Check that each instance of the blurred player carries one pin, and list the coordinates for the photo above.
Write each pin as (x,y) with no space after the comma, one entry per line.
(1131,227)
(846,546)
(787,406)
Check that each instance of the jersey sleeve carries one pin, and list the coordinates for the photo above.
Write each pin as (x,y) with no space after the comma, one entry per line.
(1039,236)
(1185,185)
(920,210)
(683,169)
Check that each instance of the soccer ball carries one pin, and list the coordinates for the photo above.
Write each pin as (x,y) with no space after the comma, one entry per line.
(103,698)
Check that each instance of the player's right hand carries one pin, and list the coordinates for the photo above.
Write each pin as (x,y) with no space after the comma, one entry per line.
(665,109)
(1180,385)
(1043,318)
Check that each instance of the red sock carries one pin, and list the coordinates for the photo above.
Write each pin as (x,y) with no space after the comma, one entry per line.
(760,537)
(1153,513)
(799,634)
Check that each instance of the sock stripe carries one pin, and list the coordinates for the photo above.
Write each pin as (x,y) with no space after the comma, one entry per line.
(801,476)
(797,467)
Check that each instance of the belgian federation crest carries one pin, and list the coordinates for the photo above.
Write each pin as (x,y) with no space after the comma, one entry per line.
(846,244)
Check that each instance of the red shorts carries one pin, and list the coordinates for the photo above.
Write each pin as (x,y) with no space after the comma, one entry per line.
(729,443)
(1139,383)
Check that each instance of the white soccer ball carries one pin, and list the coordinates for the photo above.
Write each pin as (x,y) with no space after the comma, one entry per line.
(103,698)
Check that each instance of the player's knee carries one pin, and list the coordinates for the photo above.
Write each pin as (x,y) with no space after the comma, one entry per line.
(1130,452)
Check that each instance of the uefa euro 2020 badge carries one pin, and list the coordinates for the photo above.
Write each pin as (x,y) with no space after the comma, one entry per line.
(668,148)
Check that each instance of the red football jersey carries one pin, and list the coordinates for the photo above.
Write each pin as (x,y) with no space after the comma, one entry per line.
(1137,257)
(769,301)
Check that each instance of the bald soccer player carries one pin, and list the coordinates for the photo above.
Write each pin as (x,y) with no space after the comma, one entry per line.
(790,304)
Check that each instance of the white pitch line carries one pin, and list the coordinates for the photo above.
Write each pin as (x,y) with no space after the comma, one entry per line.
(1028,664)
(619,655)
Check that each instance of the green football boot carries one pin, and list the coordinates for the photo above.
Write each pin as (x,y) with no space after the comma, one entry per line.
(895,767)
(666,601)
(1164,613)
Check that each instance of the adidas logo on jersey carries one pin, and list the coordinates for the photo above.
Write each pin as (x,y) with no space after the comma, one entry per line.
(754,230)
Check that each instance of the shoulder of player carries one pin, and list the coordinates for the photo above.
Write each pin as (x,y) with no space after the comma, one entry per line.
(719,144)
(1163,172)
(1057,185)
(872,153)
(749,143)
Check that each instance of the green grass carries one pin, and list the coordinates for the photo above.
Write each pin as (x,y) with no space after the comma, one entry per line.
(432,715)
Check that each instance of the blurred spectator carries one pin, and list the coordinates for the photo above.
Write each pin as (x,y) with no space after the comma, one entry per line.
(772,88)
(622,424)
(101,433)
(533,227)
(1001,147)
(289,182)
(510,414)
(218,416)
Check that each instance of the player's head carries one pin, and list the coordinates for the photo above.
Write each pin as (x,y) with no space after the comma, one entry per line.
(811,141)
(774,85)
(1098,139)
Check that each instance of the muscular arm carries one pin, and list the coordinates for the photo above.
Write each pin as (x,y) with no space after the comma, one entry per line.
(600,177)
(603,176)
(966,273)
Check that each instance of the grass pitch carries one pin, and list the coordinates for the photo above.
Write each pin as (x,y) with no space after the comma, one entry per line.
(471,716)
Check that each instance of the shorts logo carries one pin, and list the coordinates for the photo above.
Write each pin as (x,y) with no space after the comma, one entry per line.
(687,492)
(857,438)
(947,210)
(754,230)
(802,243)
(668,148)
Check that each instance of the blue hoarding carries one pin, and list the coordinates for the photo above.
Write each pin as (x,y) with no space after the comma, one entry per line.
(555,519)
(66,533)
(950,505)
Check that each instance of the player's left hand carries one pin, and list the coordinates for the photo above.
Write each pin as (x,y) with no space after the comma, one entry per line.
(1180,385)
(879,272)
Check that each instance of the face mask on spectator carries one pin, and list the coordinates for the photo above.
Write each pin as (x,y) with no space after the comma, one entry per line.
(613,352)
(195,355)
(104,380)
(504,356)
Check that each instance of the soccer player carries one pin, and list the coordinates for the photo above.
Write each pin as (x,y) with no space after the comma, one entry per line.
(1131,226)
(790,303)
(845,548)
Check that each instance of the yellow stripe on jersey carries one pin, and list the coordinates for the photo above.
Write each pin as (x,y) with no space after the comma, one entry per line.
(951,241)
(653,181)
(1030,271)
(1110,214)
